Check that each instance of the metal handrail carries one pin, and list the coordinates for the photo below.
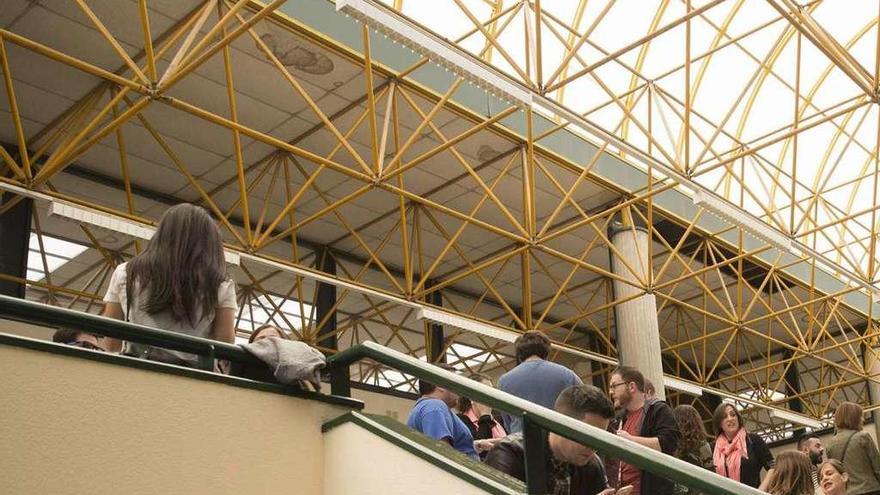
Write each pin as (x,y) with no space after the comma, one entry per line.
(535,416)
(42,314)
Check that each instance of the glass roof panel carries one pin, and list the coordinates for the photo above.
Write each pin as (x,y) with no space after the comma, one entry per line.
(779,117)
(57,253)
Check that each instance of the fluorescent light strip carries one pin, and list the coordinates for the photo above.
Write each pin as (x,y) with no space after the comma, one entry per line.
(729,212)
(795,418)
(434,48)
(471,325)
(320,277)
(115,223)
(682,386)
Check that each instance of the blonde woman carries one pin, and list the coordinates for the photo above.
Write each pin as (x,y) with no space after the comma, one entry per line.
(792,475)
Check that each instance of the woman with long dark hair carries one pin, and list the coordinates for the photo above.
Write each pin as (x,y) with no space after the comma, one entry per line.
(738,454)
(855,449)
(178,283)
(692,447)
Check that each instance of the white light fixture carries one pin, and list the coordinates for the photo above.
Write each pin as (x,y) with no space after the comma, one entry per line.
(321,277)
(454,320)
(115,223)
(795,418)
(734,215)
(682,386)
(433,47)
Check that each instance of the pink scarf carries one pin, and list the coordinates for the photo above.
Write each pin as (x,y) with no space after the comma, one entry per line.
(729,454)
(497,430)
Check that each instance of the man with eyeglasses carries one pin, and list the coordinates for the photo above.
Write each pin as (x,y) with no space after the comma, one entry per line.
(647,422)
(76,338)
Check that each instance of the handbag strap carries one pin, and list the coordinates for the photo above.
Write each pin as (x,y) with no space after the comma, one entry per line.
(846,446)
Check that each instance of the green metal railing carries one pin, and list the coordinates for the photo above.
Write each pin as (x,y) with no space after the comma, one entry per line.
(536,419)
(42,314)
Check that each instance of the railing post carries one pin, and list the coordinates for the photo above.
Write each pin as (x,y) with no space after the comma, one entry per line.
(206,360)
(340,380)
(536,453)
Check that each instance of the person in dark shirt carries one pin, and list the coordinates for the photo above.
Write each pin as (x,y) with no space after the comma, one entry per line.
(650,423)
(738,454)
(572,468)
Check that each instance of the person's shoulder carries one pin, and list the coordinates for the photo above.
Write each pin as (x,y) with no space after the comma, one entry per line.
(657,406)
(863,436)
(514,442)
(431,405)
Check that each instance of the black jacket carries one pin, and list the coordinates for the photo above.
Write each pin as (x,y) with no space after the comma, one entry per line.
(760,458)
(509,457)
(659,422)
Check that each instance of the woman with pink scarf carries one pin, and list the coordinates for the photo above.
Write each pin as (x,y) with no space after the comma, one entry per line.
(738,454)
(478,418)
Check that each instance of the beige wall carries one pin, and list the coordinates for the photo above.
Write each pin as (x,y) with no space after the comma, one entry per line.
(71,425)
(26,329)
(358,462)
(386,405)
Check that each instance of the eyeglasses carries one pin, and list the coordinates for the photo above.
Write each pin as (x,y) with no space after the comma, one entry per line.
(615,385)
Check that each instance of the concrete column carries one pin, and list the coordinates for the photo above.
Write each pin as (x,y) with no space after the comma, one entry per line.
(15,232)
(638,334)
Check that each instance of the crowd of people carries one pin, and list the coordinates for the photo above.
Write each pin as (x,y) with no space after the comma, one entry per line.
(179,283)
(848,465)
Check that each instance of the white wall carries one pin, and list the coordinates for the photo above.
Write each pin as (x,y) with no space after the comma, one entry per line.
(358,462)
(385,405)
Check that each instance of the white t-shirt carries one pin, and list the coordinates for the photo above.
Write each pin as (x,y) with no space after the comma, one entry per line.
(116,293)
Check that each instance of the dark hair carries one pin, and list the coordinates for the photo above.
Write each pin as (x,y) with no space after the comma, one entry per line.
(267,326)
(531,343)
(793,475)
(649,387)
(690,424)
(802,441)
(182,267)
(578,400)
(848,416)
(426,387)
(630,374)
(463,402)
(65,335)
(718,417)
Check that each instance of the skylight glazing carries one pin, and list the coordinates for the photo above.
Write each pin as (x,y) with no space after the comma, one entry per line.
(778,114)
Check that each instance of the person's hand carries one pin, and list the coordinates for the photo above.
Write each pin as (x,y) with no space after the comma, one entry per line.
(624,434)
(608,491)
(485,445)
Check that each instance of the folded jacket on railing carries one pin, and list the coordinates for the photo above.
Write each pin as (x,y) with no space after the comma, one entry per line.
(291,361)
